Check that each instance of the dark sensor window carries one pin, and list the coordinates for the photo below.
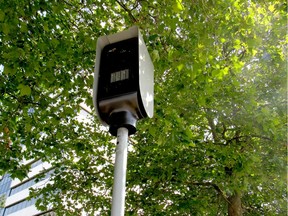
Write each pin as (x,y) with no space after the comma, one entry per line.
(119,70)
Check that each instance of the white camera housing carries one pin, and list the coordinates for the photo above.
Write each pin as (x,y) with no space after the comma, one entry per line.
(124,76)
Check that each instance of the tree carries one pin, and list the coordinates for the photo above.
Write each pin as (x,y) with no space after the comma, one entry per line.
(217,143)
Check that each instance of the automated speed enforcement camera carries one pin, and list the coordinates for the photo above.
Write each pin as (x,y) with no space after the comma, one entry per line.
(123,80)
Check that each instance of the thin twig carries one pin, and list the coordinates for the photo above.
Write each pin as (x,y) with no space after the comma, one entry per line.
(216,187)
(127,10)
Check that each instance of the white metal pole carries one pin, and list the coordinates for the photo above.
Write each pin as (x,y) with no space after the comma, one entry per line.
(118,196)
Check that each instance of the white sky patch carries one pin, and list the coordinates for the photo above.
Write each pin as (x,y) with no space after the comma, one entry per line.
(103,24)
(1,69)
(83,116)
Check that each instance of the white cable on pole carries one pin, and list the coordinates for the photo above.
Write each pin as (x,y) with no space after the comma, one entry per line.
(118,196)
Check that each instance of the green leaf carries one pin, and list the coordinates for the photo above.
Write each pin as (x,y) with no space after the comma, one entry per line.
(237,44)
(28,127)
(6,28)
(24,27)
(8,70)
(180,67)
(2,15)
(178,6)
(24,90)
(45,26)
(155,55)
(152,131)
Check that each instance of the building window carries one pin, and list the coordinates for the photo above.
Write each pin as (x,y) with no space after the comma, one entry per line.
(36,163)
(28,184)
(5,184)
(19,206)
(50,213)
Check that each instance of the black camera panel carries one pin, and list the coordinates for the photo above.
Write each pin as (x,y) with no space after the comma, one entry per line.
(119,69)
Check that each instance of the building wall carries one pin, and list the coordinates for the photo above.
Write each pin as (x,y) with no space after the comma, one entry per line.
(5,183)
(16,191)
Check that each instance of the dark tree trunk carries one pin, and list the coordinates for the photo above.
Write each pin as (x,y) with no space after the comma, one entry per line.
(234,206)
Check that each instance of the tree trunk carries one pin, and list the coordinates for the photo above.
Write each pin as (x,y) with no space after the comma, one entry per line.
(234,206)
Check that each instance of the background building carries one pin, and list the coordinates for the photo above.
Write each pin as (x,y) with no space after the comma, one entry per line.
(16,192)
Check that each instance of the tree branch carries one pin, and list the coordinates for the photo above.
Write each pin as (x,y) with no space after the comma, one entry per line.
(210,184)
(127,10)
(259,136)
(211,124)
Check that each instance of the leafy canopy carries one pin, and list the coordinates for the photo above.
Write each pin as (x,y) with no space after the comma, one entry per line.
(218,137)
